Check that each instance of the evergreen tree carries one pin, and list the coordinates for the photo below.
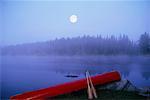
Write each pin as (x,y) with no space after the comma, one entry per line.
(144,43)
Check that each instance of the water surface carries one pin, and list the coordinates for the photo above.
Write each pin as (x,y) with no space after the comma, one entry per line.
(26,73)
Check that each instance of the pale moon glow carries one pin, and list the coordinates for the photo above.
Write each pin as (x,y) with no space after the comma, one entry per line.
(73,18)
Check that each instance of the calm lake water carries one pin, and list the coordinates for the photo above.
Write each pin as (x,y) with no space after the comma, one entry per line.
(25,73)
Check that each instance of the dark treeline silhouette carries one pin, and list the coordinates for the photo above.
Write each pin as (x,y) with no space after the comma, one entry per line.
(85,45)
(144,43)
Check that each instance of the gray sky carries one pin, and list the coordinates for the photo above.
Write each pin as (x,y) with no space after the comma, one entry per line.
(32,21)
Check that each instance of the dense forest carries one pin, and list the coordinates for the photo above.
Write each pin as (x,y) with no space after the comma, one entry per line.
(86,45)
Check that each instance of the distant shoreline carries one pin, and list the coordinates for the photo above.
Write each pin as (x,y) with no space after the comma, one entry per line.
(86,45)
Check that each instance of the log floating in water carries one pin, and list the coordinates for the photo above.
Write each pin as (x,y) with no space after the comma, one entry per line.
(72,76)
(68,87)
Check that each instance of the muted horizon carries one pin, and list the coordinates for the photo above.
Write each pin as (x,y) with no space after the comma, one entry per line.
(35,21)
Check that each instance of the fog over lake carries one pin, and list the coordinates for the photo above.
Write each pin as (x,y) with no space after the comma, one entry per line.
(40,43)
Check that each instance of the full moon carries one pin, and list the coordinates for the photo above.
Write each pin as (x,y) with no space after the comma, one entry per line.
(73,18)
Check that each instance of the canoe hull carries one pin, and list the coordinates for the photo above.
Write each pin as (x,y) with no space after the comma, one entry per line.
(69,87)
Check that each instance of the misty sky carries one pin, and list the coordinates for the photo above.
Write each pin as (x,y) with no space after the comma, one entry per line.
(31,21)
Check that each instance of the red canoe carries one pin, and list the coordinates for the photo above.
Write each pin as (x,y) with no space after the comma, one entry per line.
(68,87)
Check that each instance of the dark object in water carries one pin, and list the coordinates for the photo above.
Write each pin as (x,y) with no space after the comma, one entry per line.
(69,87)
(72,76)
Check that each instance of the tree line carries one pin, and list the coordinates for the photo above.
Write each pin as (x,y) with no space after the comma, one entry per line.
(85,45)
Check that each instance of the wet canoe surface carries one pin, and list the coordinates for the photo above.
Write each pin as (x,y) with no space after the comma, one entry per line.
(69,87)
